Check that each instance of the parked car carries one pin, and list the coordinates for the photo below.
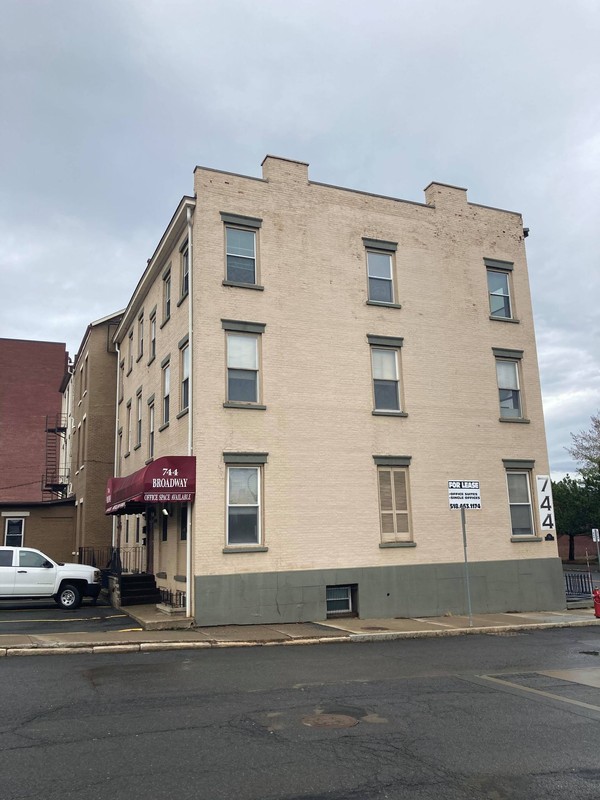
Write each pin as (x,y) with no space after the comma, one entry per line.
(30,574)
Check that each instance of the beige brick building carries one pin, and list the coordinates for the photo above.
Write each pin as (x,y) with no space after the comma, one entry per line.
(89,445)
(331,359)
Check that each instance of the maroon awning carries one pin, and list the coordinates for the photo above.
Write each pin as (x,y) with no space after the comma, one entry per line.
(170,479)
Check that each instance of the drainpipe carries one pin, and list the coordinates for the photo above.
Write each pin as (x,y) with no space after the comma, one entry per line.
(190,447)
(115,466)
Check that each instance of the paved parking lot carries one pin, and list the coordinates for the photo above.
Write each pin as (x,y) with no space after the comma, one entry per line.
(44,616)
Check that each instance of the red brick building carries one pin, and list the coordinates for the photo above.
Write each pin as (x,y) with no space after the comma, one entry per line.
(31,374)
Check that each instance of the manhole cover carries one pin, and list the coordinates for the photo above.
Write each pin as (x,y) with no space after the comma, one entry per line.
(373,628)
(330,721)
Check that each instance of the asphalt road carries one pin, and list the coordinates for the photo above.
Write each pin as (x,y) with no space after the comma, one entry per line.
(33,617)
(460,718)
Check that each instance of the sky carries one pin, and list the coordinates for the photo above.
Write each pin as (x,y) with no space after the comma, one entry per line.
(108,105)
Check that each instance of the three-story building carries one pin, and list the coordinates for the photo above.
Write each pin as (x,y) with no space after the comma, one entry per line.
(302,370)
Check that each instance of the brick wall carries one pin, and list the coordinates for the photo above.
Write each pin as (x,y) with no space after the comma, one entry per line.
(30,377)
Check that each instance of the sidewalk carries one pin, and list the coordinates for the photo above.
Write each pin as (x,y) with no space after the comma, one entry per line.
(148,637)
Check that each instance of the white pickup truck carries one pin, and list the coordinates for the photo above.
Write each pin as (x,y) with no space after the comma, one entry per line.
(28,573)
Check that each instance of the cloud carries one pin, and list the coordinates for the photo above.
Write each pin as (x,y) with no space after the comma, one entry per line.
(107,108)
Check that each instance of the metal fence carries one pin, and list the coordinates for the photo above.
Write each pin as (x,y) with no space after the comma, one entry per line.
(173,599)
(117,560)
(578,585)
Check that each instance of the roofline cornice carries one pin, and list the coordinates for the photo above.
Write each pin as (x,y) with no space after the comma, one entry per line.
(169,238)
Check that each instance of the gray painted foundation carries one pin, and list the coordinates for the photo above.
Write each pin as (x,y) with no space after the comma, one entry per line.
(401,591)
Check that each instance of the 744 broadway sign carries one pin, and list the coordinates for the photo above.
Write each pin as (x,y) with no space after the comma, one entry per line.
(545,504)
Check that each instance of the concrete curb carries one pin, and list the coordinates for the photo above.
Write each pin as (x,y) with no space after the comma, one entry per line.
(349,638)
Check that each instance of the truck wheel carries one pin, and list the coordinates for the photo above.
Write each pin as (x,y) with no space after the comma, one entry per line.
(68,597)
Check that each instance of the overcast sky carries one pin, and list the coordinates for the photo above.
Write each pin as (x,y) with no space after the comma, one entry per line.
(107,106)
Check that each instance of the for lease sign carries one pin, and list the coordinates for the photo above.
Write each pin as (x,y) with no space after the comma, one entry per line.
(464,494)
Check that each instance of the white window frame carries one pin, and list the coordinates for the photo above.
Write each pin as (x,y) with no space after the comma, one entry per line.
(527,473)
(396,353)
(151,423)
(185,270)
(140,335)
(153,336)
(121,381)
(341,612)
(258,505)
(390,280)
(252,258)
(166,392)
(167,295)
(508,295)
(130,351)
(517,368)
(257,394)
(185,377)
(16,518)
(128,428)
(138,422)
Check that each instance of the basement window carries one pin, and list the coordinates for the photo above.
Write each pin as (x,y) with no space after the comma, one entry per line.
(341,601)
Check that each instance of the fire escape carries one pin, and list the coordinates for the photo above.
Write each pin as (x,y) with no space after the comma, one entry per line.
(56,479)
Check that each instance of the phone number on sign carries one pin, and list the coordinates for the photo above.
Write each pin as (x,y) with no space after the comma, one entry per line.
(465,505)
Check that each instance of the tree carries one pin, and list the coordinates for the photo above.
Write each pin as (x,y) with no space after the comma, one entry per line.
(577,505)
(586,446)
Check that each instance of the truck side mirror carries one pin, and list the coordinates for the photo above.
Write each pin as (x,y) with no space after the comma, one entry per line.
(48,564)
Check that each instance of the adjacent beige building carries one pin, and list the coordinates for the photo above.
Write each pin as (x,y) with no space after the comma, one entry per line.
(324,361)
(88,446)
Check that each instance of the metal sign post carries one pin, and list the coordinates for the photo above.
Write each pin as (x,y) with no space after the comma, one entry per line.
(596,538)
(464,533)
(461,495)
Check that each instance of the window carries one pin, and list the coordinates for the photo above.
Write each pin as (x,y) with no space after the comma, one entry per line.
(85,374)
(498,280)
(119,450)
(166,390)
(183,519)
(242,368)
(13,532)
(243,505)
(121,380)
(128,429)
(185,377)
(127,531)
(509,391)
(240,249)
(138,426)
(166,295)
(78,459)
(153,337)
(519,500)
(185,270)
(137,530)
(394,507)
(385,379)
(130,352)
(27,558)
(339,601)
(380,270)
(140,335)
(6,558)
(165,528)
(83,440)
(241,255)
(151,430)
(499,294)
